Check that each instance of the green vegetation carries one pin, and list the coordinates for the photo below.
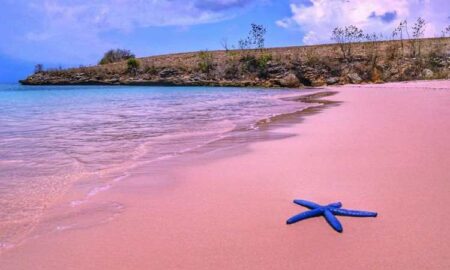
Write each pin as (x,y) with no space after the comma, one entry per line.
(311,57)
(256,64)
(263,61)
(152,70)
(231,70)
(132,65)
(206,62)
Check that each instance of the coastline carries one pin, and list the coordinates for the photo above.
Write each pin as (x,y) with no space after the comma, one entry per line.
(382,149)
(289,67)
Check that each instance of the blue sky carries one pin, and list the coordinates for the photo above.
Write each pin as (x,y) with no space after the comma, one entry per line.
(78,32)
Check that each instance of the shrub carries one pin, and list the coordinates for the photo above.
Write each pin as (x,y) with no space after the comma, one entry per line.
(152,70)
(132,65)
(252,64)
(117,55)
(231,71)
(249,62)
(435,57)
(205,64)
(392,51)
(311,57)
(263,60)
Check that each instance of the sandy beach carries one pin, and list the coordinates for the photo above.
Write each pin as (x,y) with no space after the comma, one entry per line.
(384,148)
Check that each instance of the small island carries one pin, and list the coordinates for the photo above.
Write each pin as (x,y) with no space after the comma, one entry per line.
(354,58)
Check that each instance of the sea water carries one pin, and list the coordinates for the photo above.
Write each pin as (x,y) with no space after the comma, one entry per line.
(52,136)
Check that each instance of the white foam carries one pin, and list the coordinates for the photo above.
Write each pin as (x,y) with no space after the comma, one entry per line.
(96,190)
(77,202)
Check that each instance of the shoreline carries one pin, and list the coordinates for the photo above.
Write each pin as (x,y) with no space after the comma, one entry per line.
(226,209)
(230,84)
(81,191)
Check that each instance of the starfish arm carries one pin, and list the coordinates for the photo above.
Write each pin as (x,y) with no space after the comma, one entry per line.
(304,215)
(332,220)
(335,205)
(307,204)
(352,213)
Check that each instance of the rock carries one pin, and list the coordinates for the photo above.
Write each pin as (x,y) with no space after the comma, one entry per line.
(427,73)
(167,72)
(198,77)
(275,69)
(290,80)
(274,82)
(316,82)
(113,81)
(332,80)
(354,77)
(376,75)
(268,84)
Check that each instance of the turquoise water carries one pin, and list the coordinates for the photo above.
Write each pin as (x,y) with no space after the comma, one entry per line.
(52,136)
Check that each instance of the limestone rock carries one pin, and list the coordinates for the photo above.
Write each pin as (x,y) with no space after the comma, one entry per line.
(332,80)
(427,73)
(275,69)
(167,72)
(354,77)
(290,80)
(319,81)
(376,75)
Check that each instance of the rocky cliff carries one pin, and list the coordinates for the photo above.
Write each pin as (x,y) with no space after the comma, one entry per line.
(274,67)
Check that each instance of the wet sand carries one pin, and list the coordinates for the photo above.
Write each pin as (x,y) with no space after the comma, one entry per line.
(384,148)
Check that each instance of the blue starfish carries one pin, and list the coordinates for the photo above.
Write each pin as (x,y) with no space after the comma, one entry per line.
(328,211)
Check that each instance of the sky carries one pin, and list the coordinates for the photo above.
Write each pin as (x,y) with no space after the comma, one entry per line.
(70,33)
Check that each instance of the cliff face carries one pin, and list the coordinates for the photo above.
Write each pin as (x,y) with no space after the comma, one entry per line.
(275,67)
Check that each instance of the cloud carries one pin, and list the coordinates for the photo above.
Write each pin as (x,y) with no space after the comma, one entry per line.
(387,17)
(317,18)
(57,30)
(220,5)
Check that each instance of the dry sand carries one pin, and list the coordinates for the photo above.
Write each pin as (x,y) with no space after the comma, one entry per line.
(385,148)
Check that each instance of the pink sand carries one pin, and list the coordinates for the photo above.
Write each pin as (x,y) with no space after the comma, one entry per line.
(385,148)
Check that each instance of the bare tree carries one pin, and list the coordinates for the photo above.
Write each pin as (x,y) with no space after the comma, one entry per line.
(371,46)
(224,44)
(345,38)
(255,38)
(38,68)
(244,44)
(257,34)
(401,32)
(419,28)
(417,33)
(446,32)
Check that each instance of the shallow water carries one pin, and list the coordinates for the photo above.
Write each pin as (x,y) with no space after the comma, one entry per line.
(50,137)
